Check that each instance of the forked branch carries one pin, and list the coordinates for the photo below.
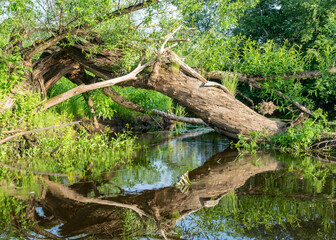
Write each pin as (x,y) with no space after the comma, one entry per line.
(85,88)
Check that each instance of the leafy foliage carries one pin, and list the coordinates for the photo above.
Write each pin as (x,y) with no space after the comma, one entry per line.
(12,72)
(296,140)
(300,22)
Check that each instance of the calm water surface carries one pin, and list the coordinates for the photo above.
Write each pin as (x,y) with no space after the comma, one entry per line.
(224,196)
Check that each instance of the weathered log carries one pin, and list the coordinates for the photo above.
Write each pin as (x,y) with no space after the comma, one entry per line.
(219,109)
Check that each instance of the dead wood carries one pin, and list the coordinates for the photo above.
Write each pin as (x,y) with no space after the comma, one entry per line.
(171,76)
(81,77)
(36,130)
(92,110)
(85,88)
(219,109)
(245,97)
(328,143)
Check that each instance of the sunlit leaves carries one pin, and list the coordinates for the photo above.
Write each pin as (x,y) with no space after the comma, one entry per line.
(12,72)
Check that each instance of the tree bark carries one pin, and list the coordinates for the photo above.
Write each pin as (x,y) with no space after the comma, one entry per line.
(218,108)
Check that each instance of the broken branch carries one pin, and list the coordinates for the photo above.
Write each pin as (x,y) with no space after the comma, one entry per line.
(36,130)
(85,88)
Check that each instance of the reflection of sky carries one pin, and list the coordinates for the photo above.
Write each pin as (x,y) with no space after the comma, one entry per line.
(166,162)
(189,224)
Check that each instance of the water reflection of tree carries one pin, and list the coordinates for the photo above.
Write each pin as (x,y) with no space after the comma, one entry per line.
(292,203)
(167,159)
(93,217)
(267,205)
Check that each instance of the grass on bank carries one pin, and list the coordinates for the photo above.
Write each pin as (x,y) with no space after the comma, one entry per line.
(297,140)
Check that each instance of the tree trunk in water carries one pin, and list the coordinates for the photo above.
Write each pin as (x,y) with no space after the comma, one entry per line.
(218,108)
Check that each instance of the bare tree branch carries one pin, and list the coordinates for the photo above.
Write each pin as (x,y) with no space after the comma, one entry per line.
(130,105)
(36,130)
(85,88)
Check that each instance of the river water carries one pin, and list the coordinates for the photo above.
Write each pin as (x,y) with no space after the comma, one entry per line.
(195,186)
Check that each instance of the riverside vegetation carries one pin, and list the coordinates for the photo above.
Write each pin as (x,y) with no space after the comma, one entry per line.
(243,45)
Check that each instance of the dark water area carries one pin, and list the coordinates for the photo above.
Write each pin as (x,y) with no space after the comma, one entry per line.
(194,186)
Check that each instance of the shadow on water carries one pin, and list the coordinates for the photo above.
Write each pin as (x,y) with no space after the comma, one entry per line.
(224,196)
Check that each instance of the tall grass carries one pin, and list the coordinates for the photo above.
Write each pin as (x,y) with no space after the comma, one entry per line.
(230,82)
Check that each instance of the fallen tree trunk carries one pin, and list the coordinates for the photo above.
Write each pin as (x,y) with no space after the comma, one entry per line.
(219,109)
(169,75)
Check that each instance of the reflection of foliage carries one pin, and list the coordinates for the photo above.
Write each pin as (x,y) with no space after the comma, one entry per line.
(269,212)
(132,223)
(134,226)
(13,218)
(270,205)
